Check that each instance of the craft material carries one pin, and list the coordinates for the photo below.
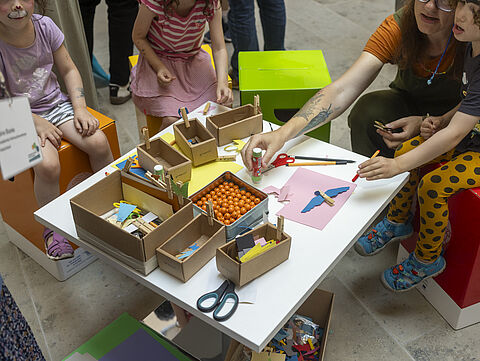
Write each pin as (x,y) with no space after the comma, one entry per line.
(188,251)
(124,210)
(320,197)
(257,165)
(305,183)
(256,104)
(373,156)
(227,158)
(314,163)
(280,221)
(155,180)
(220,296)
(237,146)
(135,168)
(205,110)
(283,194)
(159,171)
(244,244)
(180,188)
(379,125)
(168,183)
(257,250)
(210,212)
(282,159)
(322,159)
(183,111)
(146,137)
(327,199)
(128,164)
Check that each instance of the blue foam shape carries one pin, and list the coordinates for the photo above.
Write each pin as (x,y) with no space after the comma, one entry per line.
(280,335)
(194,247)
(124,211)
(186,254)
(292,358)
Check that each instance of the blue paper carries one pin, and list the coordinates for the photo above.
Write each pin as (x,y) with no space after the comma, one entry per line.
(194,247)
(124,211)
(186,254)
(292,358)
(137,171)
(280,335)
(139,346)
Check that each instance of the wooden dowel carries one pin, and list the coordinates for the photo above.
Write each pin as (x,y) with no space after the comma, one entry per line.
(207,107)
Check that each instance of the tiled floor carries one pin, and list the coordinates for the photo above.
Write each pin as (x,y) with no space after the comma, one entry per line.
(368,322)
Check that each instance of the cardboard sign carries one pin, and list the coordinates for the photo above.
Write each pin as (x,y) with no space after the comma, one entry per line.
(19,143)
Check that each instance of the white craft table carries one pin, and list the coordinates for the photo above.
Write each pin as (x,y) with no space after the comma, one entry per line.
(282,290)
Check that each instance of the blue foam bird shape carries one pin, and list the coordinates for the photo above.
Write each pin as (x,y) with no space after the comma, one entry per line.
(318,199)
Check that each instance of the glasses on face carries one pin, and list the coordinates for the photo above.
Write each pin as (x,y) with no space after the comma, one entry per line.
(443,5)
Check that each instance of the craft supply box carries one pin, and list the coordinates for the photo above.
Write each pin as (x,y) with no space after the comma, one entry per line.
(208,237)
(160,152)
(233,124)
(242,273)
(92,203)
(203,152)
(250,219)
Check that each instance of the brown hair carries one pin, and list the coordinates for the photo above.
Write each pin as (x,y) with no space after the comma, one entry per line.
(208,10)
(41,6)
(413,41)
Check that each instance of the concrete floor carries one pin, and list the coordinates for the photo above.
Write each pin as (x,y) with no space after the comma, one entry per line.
(368,322)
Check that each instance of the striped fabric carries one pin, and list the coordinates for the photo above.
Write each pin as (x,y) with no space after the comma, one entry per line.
(59,114)
(176,36)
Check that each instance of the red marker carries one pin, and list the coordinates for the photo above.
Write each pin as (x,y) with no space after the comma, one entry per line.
(373,156)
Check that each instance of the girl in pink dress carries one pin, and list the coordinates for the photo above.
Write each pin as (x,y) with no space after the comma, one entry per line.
(173,71)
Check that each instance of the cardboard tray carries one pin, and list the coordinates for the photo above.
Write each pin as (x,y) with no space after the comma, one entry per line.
(233,124)
(209,238)
(89,205)
(242,273)
(160,152)
(203,152)
(250,219)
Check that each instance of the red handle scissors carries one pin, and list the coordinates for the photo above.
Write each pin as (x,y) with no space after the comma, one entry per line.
(282,159)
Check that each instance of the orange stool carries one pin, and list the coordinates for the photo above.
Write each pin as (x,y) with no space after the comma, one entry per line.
(19,203)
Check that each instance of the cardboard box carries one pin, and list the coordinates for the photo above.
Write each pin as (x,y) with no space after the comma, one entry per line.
(91,204)
(250,219)
(202,152)
(318,306)
(160,152)
(237,123)
(242,273)
(209,238)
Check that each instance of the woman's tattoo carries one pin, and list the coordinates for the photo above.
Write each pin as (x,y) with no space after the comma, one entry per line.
(81,92)
(309,110)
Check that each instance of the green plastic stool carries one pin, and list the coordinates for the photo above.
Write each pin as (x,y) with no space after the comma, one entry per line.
(285,80)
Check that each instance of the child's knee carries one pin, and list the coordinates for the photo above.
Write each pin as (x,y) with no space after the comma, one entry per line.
(97,145)
(48,169)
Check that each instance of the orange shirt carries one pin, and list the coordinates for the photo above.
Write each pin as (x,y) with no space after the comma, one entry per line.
(386,39)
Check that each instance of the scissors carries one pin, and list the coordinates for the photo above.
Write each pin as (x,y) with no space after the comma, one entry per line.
(282,159)
(220,297)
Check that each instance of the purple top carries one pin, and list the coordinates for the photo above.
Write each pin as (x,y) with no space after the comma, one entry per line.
(28,71)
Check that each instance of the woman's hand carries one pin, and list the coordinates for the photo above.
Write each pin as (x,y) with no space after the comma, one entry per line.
(224,94)
(430,126)
(164,76)
(271,142)
(379,168)
(410,128)
(47,130)
(85,123)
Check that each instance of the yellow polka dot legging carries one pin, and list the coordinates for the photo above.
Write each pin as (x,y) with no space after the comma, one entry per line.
(461,172)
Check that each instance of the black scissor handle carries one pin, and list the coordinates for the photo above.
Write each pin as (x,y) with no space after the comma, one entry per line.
(225,317)
(216,295)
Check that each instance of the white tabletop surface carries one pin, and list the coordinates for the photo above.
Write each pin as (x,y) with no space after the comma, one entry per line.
(282,290)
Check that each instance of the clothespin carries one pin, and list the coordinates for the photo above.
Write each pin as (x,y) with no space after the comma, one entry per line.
(179,194)
(128,164)
(155,180)
(327,199)
(256,104)
(280,221)
(183,111)
(227,158)
(210,212)
(205,110)
(146,137)
(168,183)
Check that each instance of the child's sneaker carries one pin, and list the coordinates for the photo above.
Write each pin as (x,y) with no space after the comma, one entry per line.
(378,237)
(59,247)
(119,94)
(411,272)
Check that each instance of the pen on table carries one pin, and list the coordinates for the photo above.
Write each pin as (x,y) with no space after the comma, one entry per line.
(315,163)
(323,159)
(373,156)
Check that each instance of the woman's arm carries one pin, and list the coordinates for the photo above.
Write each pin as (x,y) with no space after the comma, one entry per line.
(85,123)
(324,106)
(220,57)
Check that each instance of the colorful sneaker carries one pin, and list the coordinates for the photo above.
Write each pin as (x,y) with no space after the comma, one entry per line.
(59,247)
(411,272)
(379,236)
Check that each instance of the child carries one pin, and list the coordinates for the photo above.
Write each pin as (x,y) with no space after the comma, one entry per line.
(452,138)
(173,71)
(30,45)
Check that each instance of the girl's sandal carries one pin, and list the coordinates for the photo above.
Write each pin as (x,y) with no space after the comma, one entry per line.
(59,247)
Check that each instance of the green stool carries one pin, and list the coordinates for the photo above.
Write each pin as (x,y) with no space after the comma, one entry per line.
(285,80)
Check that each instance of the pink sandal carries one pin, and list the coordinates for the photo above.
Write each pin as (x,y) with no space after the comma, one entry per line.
(59,248)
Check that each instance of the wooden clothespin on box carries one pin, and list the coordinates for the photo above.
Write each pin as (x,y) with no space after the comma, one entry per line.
(155,180)
(183,111)
(256,104)
(280,221)
(146,137)
(168,183)
(128,165)
(210,213)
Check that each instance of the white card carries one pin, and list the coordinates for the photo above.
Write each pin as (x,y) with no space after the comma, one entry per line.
(19,143)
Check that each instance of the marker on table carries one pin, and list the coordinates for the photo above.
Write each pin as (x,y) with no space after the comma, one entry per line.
(314,163)
(373,156)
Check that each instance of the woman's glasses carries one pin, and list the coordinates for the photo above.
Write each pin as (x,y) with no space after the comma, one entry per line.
(443,5)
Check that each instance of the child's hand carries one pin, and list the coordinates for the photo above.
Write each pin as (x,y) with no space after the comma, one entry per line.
(224,94)
(430,126)
(410,128)
(378,168)
(85,123)
(164,77)
(47,130)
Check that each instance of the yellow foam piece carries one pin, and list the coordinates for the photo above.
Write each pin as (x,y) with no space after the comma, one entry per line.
(257,250)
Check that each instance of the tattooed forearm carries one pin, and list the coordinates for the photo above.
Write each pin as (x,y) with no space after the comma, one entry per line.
(81,93)
(316,120)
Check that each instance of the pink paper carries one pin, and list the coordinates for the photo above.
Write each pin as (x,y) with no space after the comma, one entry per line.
(271,190)
(304,183)
(262,241)
(283,195)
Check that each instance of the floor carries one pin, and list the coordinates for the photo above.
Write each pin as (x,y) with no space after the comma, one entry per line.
(368,322)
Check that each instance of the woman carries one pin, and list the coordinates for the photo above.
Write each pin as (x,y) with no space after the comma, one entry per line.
(418,39)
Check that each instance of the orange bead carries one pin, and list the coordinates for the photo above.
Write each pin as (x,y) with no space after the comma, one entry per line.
(204,199)
(226,215)
(226,222)
(257,200)
(242,192)
(247,207)
(204,207)
(248,194)
(241,203)
(236,199)
(199,203)
(235,186)
(232,220)
(243,210)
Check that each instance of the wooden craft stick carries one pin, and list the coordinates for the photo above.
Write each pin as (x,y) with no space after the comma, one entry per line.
(128,164)
(280,221)
(256,104)
(168,183)
(309,163)
(145,224)
(227,158)
(146,137)
(141,226)
(155,180)
(185,117)
(205,110)
(210,212)
(327,199)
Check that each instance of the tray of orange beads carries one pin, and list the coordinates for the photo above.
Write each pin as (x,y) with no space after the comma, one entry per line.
(236,204)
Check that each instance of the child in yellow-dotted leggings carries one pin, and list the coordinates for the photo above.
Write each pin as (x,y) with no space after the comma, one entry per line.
(454,139)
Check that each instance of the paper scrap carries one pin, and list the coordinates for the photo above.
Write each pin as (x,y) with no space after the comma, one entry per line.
(284,193)
(130,228)
(262,241)
(149,217)
(271,190)
(124,211)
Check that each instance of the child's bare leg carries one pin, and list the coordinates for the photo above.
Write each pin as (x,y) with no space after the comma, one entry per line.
(95,145)
(47,175)
(167,121)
